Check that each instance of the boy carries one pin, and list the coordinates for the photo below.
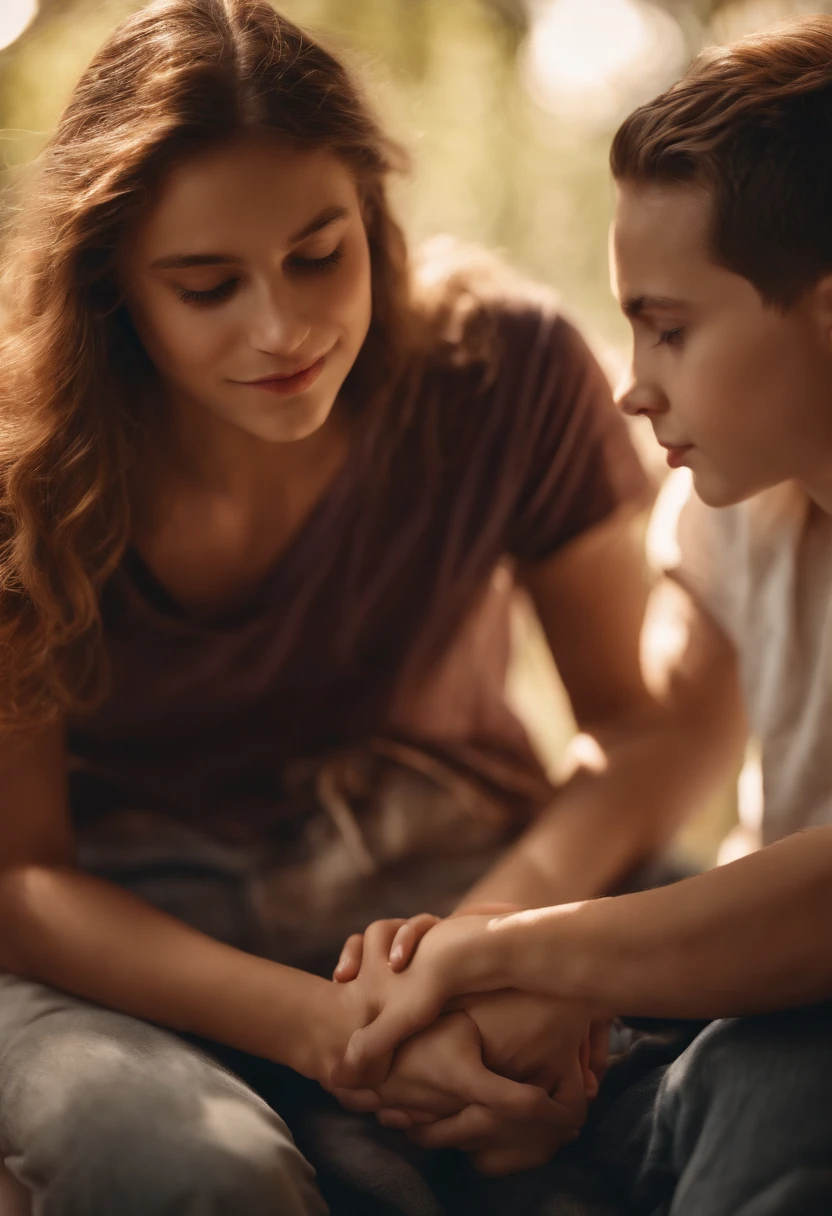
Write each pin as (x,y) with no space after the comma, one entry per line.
(723,263)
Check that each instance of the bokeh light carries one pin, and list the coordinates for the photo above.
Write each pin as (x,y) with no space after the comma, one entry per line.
(15,16)
(593,60)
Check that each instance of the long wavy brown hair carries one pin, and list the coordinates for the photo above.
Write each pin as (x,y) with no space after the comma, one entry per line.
(172,80)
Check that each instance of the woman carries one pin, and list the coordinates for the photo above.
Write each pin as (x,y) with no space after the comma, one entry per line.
(265,495)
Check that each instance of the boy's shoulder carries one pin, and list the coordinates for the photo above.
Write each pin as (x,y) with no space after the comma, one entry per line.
(746,558)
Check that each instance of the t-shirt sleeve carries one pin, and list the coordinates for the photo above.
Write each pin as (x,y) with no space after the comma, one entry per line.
(573,456)
(704,549)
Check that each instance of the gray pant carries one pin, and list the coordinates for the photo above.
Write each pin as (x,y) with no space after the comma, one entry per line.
(104,1115)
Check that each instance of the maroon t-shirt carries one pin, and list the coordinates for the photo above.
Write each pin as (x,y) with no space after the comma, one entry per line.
(390,620)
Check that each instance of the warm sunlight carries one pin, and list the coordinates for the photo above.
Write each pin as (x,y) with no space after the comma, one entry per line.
(594,58)
(15,16)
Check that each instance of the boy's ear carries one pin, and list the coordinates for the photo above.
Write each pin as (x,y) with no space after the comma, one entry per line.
(822,305)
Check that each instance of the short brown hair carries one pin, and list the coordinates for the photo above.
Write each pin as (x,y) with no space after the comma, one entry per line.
(752,124)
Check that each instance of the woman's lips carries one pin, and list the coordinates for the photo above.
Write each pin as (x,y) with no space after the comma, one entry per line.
(288,386)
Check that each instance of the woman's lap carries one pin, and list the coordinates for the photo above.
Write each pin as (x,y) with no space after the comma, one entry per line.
(104,1113)
(100,1112)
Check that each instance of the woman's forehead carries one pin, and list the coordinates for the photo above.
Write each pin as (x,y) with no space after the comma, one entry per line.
(243,192)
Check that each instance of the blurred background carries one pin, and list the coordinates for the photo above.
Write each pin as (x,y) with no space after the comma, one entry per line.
(508,108)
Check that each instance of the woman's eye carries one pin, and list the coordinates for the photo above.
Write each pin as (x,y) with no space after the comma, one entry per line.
(671,337)
(212,296)
(331,259)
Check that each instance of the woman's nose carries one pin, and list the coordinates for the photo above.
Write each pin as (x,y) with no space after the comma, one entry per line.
(280,329)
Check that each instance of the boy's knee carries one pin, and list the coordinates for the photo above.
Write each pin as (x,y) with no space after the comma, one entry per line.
(782,1054)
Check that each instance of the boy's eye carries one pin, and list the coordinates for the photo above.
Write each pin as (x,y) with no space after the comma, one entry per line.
(671,337)
(311,264)
(212,296)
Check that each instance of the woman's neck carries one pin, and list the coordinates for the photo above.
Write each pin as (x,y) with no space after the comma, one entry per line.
(197,455)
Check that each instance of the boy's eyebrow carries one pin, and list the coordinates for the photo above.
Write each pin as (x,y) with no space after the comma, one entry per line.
(635,305)
(181,261)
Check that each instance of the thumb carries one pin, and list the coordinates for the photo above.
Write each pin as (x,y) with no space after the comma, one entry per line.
(375,1043)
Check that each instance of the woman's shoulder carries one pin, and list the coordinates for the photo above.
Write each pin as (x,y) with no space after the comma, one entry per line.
(456,281)
(482,312)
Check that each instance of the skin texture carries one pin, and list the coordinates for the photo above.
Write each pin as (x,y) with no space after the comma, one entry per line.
(745,384)
(739,391)
(279,304)
(237,469)
(229,477)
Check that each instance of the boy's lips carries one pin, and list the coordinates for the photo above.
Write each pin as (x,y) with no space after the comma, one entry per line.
(676,452)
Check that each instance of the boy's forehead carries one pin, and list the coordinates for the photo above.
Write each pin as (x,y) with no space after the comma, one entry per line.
(660,229)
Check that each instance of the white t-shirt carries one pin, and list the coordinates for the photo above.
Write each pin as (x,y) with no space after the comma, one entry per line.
(763,571)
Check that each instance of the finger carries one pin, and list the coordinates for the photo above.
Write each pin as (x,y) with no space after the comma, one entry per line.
(376,1042)
(379,936)
(599,1048)
(416,1117)
(481,1087)
(360,1072)
(408,938)
(589,1078)
(349,964)
(570,1097)
(464,1131)
(363,1101)
(398,1119)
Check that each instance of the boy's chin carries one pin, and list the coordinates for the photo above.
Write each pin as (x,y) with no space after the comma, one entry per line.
(718,491)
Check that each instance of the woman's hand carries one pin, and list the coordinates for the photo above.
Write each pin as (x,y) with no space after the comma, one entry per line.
(452,958)
(440,1072)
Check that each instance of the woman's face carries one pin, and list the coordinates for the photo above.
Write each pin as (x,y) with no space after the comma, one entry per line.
(248,282)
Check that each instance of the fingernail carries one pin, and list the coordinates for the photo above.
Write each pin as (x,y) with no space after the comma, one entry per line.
(396,954)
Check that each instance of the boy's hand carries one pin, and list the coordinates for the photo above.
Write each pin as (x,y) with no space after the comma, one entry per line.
(498,1145)
(408,934)
(529,1038)
(542,1041)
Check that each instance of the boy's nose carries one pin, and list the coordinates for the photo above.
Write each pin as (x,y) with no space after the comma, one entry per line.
(635,398)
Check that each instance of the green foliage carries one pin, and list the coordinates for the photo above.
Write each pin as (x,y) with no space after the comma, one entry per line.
(488,164)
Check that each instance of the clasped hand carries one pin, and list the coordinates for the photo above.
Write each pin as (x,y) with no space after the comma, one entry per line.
(505,1076)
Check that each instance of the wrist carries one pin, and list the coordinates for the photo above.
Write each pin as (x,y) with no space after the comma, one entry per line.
(560,951)
(322,1040)
(308,1028)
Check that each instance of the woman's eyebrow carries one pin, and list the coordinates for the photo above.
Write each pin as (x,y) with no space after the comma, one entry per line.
(329,216)
(182,261)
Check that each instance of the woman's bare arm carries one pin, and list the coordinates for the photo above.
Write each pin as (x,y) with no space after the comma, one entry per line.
(661,724)
(89,937)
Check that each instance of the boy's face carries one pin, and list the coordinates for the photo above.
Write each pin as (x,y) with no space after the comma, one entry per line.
(739,391)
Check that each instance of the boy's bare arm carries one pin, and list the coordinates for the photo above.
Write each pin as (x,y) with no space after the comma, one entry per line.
(658,700)
(745,938)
